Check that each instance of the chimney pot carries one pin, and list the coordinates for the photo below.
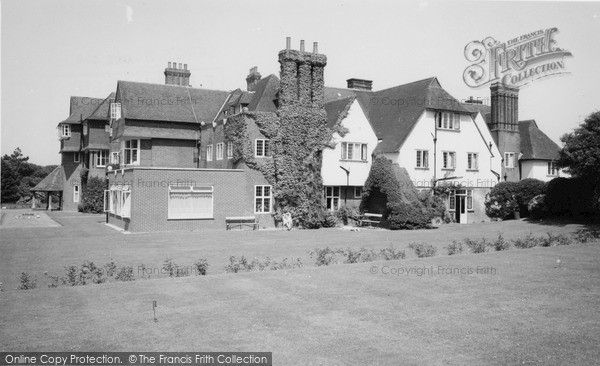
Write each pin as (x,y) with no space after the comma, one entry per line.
(180,66)
(288,43)
(315,47)
(169,65)
(185,66)
(302,45)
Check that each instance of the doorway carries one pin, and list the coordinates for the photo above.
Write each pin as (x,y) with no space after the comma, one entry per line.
(461,208)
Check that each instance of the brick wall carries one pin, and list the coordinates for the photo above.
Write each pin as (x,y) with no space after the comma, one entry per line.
(72,178)
(173,153)
(73,142)
(149,198)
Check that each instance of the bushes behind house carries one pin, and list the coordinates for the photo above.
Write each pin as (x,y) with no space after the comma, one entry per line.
(508,197)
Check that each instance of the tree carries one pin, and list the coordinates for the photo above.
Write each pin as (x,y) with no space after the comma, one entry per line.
(10,183)
(19,176)
(580,155)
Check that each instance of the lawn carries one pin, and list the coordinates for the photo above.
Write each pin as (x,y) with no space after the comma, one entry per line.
(521,308)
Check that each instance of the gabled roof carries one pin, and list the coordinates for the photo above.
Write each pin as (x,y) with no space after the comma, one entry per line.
(102,112)
(81,108)
(337,110)
(535,144)
(393,112)
(172,103)
(265,91)
(53,181)
(485,110)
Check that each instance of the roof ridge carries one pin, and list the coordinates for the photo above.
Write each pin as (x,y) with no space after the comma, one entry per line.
(174,86)
(412,82)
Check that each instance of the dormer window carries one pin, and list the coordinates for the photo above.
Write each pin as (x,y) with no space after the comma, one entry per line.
(64,131)
(449,121)
(115,110)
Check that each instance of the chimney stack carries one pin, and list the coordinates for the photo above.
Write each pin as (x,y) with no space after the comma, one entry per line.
(360,84)
(315,47)
(252,78)
(504,127)
(301,77)
(177,75)
(288,43)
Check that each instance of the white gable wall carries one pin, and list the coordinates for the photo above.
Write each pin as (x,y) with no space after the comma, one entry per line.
(360,131)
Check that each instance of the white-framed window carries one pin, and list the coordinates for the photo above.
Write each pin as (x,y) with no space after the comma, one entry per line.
(509,159)
(229,150)
(552,168)
(101,158)
(448,160)
(332,197)
(115,110)
(114,157)
(117,200)
(263,196)
(65,130)
(262,148)
(209,152)
(220,151)
(422,159)
(76,157)
(76,193)
(472,161)
(190,202)
(354,151)
(131,152)
(358,192)
(85,129)
(449,121)
(467,193)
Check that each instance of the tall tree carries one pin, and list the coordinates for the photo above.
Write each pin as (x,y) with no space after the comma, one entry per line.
(580,155)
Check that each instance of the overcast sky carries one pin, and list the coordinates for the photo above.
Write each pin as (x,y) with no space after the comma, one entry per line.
(52,50)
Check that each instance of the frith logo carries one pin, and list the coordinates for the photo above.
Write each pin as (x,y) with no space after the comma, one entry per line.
(516,62)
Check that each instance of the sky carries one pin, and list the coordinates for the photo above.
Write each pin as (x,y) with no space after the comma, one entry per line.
(51,50)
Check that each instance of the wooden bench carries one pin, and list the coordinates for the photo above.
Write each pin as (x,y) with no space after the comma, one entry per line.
(370,219)
(241,221)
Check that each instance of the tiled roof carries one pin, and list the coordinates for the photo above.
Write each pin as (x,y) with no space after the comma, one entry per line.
(265,91)
(485,110)
(535,144)
(102,112)
(81,108)
(53,181)
(337,110)
(158,102)
(393,112)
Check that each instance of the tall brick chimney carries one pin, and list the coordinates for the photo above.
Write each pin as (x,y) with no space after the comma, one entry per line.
(360,84)
(504,126)
(177,75)
(252,78)
(302,76)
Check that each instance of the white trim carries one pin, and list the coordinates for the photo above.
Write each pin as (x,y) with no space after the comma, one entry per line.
(187,213)
(263,197)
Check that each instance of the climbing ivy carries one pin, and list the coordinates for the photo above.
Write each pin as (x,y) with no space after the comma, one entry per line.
(297,137)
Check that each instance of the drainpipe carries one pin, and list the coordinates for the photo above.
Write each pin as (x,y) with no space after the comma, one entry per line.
(347,183)
(435,120)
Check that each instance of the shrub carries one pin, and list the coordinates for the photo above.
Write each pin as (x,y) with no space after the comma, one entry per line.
(172,269)
(200,267)
(501,201)
(72,276)
(92,198)
(389,191)
(346,212)
(111,268)
(455,248)
(125,274)
(586,235)
(390,253)
(324,257)
(423,250)
(526,190)
(359,256)
(236,265)
(243,265)
(477,246)
(528,242)
(53,281)
(89,273)
(537,207)
(573,197)
(500,243)
(552,240)
(27,282)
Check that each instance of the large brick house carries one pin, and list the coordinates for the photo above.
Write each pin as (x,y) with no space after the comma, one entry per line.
(173,168)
